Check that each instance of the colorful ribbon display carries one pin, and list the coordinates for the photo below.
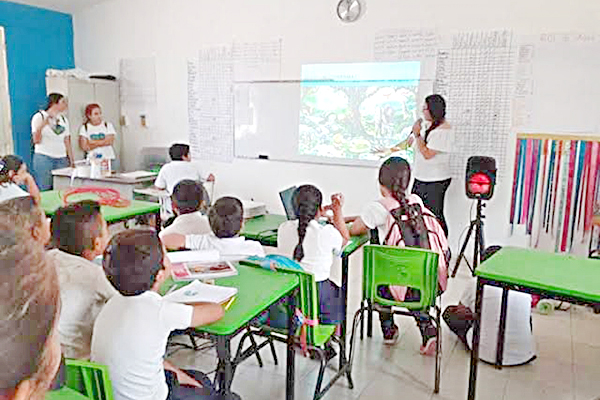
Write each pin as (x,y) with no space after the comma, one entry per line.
(555,184)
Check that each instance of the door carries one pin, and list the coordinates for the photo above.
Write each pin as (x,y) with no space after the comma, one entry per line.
(6,141)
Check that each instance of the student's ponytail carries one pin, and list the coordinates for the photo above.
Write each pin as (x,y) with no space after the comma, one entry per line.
(307,202)
(394,174)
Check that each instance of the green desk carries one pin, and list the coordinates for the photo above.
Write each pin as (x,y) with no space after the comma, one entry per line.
(258,289)
(65,393)
(264,230)
(52,200)
(559,276)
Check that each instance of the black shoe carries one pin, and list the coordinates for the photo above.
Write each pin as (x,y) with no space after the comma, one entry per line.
(390,334)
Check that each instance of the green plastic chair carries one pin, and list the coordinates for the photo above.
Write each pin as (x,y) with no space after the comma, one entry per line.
(391,265)
(316,336)
(89,379)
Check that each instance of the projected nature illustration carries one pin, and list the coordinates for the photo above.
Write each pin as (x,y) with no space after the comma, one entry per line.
(353,120)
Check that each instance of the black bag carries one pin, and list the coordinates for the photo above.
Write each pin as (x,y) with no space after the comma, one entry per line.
(413,236)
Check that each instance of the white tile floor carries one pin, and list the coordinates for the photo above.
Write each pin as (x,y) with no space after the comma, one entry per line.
(567,367)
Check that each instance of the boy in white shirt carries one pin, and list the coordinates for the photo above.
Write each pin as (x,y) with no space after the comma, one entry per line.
(80,234)
(189,201)
(226,217)
(181,167)
(519,346)
(131,332)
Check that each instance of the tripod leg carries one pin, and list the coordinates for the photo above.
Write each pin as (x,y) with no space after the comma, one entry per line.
(461,255)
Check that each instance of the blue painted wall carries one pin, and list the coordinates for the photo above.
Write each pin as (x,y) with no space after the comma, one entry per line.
(36,39)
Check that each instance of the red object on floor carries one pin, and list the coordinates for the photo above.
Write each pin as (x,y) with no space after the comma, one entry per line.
(535,298)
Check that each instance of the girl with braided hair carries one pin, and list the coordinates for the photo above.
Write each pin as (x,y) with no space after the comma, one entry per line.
(420,229)
(315,246)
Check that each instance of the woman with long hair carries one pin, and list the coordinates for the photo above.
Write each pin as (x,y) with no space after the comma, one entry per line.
(52,139)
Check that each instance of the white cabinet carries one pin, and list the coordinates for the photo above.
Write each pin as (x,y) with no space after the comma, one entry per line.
(80,93)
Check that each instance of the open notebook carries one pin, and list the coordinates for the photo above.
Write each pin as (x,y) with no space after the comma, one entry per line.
(198,292)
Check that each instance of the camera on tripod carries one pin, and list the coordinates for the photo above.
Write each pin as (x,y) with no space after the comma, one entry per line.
(479,185)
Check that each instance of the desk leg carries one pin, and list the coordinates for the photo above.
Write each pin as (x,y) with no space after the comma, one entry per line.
(345,264)
(476,336)
(225,368)
(501,329)
(291,351)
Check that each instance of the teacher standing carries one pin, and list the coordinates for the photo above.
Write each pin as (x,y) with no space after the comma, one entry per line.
(52,138)
(433,145)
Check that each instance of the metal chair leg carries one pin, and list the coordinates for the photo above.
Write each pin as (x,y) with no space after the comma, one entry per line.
(362,318)
(438,350)
(323,360)
(273,352)
(255,347)
(358,317)
(369,318)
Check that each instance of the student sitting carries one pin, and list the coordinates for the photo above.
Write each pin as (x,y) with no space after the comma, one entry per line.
(22,212)
(226,217)
(13,174)
(315,246)
(29,308)
(131,331)
(519,346)
(189,202)
(80,234)
(394,179)
(181,167)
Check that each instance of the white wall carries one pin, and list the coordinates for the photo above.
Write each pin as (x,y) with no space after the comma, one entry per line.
(175,29)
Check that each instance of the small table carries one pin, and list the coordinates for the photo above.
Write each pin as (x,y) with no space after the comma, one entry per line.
(264,230)
(52,200)
(65,393)
(559,276)
(123,183)
(258,289)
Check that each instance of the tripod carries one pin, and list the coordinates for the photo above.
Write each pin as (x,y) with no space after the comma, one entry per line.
(477,226)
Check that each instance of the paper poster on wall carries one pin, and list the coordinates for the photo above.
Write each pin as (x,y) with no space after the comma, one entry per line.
(257,61)
(556,86)
(210,104)
(475,76)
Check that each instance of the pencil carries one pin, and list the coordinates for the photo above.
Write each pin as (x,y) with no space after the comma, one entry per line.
(229,303)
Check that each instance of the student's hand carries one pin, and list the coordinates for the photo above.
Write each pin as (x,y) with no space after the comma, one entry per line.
(22,178)
(211,178)
(273,266)
(337,202)
(416,128)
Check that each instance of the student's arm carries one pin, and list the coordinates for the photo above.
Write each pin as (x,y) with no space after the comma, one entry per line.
(182,377)
(206,313)
(174,241)
(32,188)
(337,201)
(358,227)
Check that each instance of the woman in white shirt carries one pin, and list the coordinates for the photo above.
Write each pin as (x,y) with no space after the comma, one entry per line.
(431,167)
(52,139)
(96,136)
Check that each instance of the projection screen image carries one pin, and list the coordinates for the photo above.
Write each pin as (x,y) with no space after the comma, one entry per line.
(351,110)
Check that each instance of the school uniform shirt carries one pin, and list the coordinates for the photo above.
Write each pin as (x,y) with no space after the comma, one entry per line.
(174,172)
(99,132)
(437,168)
(188,224)
(322,244)
(519,346)
(231,248)
(53,134)
(130,337)
(84,290)
(11,190)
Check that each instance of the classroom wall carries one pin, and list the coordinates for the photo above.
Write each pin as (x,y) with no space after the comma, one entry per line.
(311,32)
(36,39)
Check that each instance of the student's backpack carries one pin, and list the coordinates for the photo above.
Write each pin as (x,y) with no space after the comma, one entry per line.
(413,235)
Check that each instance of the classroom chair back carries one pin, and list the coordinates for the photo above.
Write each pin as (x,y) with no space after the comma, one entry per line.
(89,379)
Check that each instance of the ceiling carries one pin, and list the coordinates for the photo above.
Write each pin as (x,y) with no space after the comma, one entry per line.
(67,6)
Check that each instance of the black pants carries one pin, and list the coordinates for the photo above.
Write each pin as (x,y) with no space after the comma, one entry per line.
(433,194)
(179,392)
(386,317)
